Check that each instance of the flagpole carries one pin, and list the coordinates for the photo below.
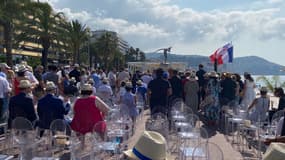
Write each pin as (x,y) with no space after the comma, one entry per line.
(216,65)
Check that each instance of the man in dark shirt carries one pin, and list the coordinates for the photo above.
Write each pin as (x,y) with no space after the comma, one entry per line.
(75,73)
(158,92)
(279,92)
(22,105)
(228,92)
(201,81)
(176,85)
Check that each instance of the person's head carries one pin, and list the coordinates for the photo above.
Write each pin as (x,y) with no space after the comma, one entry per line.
(21,71)
(40,68)
(123,84)
(174,72)
(159,73)
(247,76)
(86,89)
(263,91)
(50,87)
(201,66)
(139,83)
(105,81)
(165,75)
(129,86)
(278,92)
(150,145)
(4,67)
(25,86)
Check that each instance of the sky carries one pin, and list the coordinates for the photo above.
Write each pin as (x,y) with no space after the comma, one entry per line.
(190,27)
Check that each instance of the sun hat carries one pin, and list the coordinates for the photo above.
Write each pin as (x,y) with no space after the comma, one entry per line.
(25,84)
(213,74)
(76,65)
(276,151)
(22,68)
(50,86)
(150,146)
(86,87)
(139,82)
(4,65)
(105,80)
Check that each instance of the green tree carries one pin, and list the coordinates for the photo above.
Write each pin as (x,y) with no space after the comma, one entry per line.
(11,11)
(45,27)
(106,47)
(77,35)
(271,82)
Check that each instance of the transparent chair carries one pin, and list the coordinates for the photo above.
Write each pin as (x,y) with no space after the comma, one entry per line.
(207,151)
(23,135)
(59,135)
(276,117)
(158,122)
(104,147)
(189,139)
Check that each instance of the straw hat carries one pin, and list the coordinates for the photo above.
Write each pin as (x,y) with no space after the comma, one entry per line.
(276,151)
(139,82)
(213,74)
(50,86)
(86,87)
(193,76)
(151,145)
(4,65)
(105,80)
(25,84)
(22,68)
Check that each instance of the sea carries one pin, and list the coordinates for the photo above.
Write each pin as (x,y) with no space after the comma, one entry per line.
(260,83)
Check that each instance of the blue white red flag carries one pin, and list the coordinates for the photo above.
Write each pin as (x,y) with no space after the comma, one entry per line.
(223,55)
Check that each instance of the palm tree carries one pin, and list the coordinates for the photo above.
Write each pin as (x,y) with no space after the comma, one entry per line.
(10,12)
(46,27)
(106,47)
(77,35)
(272,82)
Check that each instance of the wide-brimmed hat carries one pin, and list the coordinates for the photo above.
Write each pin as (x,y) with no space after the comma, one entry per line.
(22,68)
(4,65)
(50,86)
(193,76)
(276,151)
(86,87)
(25,84)
(212,74)
(139,82)
(151,145)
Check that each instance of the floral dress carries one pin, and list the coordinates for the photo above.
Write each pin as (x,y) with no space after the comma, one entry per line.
(212,111)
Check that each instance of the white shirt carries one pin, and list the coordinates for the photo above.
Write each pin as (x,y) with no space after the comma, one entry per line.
(146,79)
(104,91)
(31,77)
(112,78)
(4,87)
(123,75)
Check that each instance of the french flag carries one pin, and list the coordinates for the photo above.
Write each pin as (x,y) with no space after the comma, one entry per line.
(223,55)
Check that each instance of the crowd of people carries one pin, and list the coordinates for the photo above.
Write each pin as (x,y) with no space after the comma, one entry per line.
(42,97)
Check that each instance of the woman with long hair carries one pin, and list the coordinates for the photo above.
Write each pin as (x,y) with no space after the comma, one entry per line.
(248,91)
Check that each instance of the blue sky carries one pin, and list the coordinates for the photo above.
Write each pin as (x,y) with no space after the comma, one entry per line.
(255,27)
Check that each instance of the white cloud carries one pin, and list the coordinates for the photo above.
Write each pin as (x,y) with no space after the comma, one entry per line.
(150,24)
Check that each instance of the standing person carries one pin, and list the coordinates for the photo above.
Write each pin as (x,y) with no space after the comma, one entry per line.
(4,69)
(50,107)
(4,94)
(213,87)
(228,92)
(201,81)
(248,91)
(191,89)
(51,75)
(176,84)
(129,100)
(260,107)
(123,75)
(19,76)
(158,92)
(22,104)
(112,79)
(88,110)
(146,77)
(75,73)
(279,92)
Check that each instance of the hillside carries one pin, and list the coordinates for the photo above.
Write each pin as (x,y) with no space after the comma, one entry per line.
(252,64)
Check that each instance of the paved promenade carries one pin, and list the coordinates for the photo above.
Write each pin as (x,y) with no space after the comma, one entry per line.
(215,136)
